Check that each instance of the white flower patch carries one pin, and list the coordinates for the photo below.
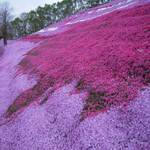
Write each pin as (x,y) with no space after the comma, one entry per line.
(77,21)
(41,31)
(128,1)
(90,12)
(102,9)
(126,5)
(52,29)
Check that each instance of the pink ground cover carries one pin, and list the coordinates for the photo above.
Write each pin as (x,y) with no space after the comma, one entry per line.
(109,57)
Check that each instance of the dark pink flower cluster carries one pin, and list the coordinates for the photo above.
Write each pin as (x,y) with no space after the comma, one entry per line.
(109,54)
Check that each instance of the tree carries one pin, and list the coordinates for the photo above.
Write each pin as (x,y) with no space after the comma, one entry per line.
(67,8)
(41,14)
(5,17)
(17,27)
(24,23)
(33,21)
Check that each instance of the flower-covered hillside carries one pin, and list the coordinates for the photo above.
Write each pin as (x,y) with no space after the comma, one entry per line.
(109,57)
(80,84)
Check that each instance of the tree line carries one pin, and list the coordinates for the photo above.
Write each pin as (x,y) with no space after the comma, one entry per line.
(35,20)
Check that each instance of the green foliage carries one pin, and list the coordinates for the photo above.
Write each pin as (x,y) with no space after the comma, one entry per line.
(33,21)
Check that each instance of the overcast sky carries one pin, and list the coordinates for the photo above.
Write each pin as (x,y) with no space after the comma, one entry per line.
(20,6)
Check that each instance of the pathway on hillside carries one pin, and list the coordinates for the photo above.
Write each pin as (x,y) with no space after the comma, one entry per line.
(10,85)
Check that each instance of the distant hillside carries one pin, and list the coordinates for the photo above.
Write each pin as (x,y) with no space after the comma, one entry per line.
(44,16)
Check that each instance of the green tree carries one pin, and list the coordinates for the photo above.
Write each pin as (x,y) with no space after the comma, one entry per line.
(17,27)
(5,18)
(41,14)
(33,22)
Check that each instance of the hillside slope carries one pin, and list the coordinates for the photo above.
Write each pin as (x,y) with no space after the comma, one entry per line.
(80,84)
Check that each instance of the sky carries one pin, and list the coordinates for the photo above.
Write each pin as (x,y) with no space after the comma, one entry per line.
(20,6)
